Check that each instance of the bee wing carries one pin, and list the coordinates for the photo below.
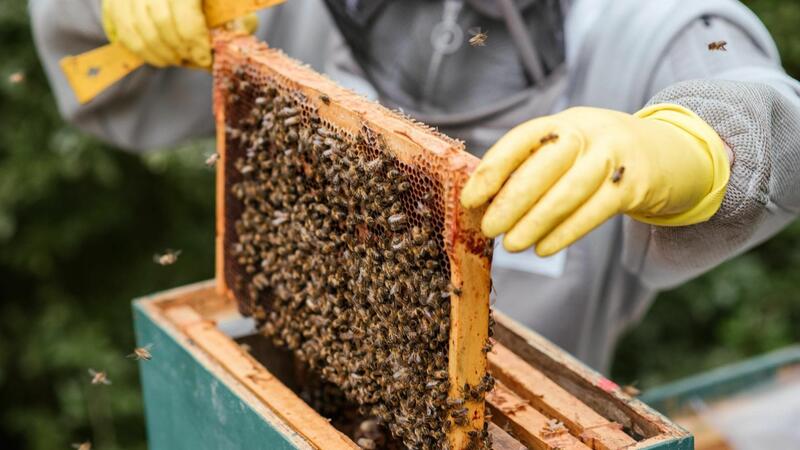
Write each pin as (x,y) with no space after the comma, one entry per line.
(157,258)
(92,372)
(474,30)
(177,252)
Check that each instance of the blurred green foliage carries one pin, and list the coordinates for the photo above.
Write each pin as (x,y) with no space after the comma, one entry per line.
(80,223)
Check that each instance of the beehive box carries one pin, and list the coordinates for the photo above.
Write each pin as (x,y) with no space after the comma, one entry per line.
(340,235)
(204,390)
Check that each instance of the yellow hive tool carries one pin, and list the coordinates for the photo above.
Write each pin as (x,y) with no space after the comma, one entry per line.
(92,72)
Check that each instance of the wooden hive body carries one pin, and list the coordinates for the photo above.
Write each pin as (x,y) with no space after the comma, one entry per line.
(434,164)
(205,390)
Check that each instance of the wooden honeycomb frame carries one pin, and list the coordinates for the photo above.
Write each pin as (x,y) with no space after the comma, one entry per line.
(411,143)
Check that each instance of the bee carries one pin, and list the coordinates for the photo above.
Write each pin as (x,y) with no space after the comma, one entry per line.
(325,99)
(99,377)
(460,421)
(212,159)
(478,38)
(168,258)
(82,445)
(16,78)
(548,138)
(287,112)
(718,46)
(631,390)
(553,427)
(487,347)
(142,353)
(397,221)
(455,402)
(617,175)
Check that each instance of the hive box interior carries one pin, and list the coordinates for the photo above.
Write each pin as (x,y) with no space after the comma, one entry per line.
(204,390)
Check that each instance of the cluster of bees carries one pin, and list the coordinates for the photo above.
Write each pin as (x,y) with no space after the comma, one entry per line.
(339,256)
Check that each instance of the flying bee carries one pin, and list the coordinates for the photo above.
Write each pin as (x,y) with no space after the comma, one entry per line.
(16,78)
(718,46)
(617,175)
(142,353)
(478,38)
(212,159)
(168,258)
(82,445)
(99,377)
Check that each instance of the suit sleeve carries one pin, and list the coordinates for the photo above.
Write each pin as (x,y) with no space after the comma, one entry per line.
(133,112)
(754,106)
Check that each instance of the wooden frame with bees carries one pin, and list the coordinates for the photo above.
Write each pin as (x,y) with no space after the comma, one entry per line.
(414,145)
(203,390)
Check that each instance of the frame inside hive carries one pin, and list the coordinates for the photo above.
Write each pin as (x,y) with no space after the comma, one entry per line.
(412,144)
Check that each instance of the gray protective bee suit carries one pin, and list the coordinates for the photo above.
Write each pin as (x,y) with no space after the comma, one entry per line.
(540,57)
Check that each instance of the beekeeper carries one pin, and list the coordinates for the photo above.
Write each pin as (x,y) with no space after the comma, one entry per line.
(679,149)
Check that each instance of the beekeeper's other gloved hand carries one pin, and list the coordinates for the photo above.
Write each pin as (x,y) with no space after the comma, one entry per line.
(164,32)
(553,179)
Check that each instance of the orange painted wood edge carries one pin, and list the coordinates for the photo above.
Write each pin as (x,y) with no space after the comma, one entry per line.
(219,234)
(526,423)
(548,397)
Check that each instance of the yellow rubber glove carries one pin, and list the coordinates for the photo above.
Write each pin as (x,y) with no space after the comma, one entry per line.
(552,180)
(164,32)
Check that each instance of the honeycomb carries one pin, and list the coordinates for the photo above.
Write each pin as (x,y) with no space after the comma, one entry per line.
(347,246)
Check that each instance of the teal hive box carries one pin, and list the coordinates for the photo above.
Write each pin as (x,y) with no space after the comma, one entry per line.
(202,391)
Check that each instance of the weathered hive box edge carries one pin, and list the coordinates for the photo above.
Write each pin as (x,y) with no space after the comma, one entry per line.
(199,380)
